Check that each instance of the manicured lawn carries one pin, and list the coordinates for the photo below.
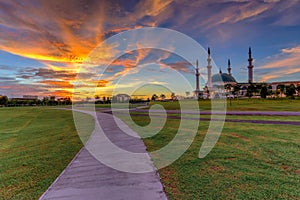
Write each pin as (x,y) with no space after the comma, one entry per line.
(36,144)
(243,104)
(250,161)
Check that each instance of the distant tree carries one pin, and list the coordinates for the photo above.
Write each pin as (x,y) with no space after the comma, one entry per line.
(154,97)
(3,100)
(236,89)
(281,88)
(52,98)
(45,101)
(298,89)
(259,86)
(162,96)
(250,90)
(39,102)
(104,99)
(173,96)
(52,101)
(263,91)
(227,87)
(67,101)
(97,97)
(290,91)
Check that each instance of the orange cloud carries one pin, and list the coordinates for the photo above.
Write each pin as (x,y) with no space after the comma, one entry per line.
(102,83)
(57,84)
(286,64)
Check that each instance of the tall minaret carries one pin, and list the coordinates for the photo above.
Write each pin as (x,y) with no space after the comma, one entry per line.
(250,67)
(209,81)
(197,91)
(229,68)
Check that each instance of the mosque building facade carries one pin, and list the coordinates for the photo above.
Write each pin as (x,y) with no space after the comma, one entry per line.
(225,85)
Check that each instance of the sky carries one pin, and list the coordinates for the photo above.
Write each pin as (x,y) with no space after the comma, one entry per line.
(44,44)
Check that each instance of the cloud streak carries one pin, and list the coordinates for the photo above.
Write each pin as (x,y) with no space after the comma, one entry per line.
(61,34)
(286,64)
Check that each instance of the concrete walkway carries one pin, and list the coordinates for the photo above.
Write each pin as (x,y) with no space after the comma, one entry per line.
(87,178)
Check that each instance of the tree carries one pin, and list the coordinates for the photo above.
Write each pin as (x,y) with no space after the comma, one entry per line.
(264,92)
(154,97)
(298,89)
(281,88)
(3,100)
(173,96)
(290,91)
(162,96)
(227,87)
(250,90)
(236,89)
(45,101)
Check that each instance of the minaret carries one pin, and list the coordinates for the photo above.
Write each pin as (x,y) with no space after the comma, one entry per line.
(209,80)
(250,67)
(197,91)
(229,68)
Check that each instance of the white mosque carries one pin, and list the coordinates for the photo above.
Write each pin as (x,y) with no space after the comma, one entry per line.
(222,84)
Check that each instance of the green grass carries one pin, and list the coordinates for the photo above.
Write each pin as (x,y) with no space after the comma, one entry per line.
(242,104)
(250,161)
(36,144)
(239,117)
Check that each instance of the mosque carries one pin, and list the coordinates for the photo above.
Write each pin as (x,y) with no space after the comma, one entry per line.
(221,83)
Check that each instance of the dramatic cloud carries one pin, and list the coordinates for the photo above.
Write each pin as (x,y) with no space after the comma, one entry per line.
(61,34)
(286,64)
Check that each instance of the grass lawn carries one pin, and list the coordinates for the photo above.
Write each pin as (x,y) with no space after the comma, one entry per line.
(250,161)
(36,144)
(243,105)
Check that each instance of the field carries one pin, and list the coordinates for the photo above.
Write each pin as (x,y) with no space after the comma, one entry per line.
(250,161)
(242,104)
(36,144)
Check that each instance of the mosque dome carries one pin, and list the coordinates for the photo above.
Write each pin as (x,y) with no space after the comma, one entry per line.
(223,77)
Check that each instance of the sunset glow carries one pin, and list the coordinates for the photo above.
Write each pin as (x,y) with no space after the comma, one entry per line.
(44,44)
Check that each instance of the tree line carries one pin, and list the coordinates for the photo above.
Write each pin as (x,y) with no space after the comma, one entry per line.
(46,101)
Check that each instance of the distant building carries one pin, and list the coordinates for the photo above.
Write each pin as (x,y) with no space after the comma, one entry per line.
(30,97)
(224,84)
(122,98)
